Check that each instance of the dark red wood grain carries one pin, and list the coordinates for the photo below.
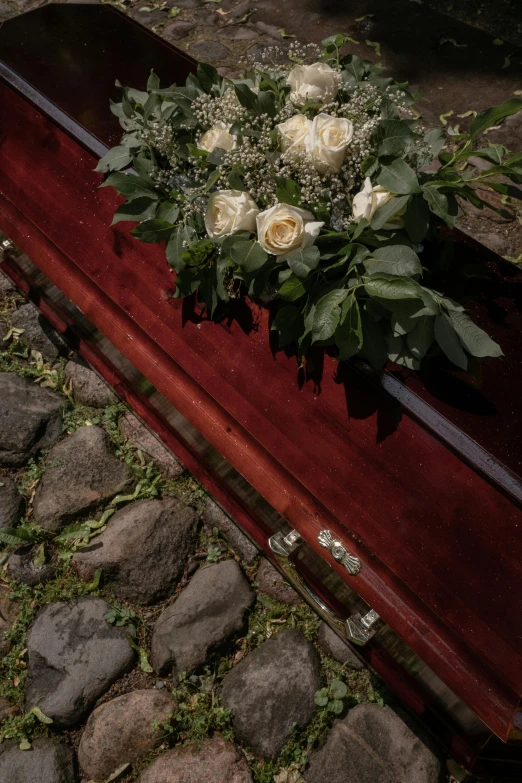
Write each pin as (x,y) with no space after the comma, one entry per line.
(99,44)
(441,548)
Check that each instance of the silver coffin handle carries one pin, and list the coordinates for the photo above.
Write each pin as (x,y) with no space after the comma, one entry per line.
(356,629)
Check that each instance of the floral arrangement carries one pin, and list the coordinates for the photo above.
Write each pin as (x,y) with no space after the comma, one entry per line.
(310,185)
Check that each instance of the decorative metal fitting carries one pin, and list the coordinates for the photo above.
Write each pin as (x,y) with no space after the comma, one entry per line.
(5,246)
(339,552)
(293,539)
(361,629)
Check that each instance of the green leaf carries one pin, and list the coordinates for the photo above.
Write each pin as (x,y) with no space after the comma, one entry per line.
(231,239)
(335,706)
(168,211)
(249,255)
(177,93)
(235,181)
(386,211)
(144,168)
(328,314)
(401,288)
(502,187)
(142,656)
(417,218)
(75,531)
(198,252)
(129,185)
(118,772)
(338,689)
(398,177)
(420,338)
(321,697)
(207,76)
(398,260)
(354,69)
(288,191)
(337,41)
(153,231)
(438,203)
(369,165)
(37,712)
(435,140)
(374,348)
(90,587)
(510,172)
(247,98)
(449,342)
(111,616)
(117,158)
(292,289)
(288,323)
(16,536)
(138,96)
(151,109)
(180,238)
(212,179)
(489,117)
(476,341)
(153,82)
(348,335)
(138,209)
(267,103)
(303,260)
(404,314)
(514,159)
(39,556)
(495,153)
(399,353)
(396,135)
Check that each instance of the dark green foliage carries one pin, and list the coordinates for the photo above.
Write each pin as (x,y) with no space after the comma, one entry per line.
(360,290)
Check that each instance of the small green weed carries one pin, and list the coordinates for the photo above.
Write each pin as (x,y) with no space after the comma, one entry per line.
(213,554)
(269,616)
(199,712)
(31,475)
(331,698)
(30,364)
(120,617)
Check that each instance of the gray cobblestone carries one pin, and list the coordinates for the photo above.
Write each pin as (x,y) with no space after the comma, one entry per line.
(209,51)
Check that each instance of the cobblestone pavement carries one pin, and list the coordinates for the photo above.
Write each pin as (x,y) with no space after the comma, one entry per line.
(500,18)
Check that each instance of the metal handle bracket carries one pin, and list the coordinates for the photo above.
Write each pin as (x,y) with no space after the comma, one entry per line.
(356,629)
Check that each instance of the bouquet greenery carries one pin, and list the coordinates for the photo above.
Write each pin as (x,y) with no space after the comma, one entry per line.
(311,185)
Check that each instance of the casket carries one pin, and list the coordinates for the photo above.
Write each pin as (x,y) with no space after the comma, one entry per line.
(391,500)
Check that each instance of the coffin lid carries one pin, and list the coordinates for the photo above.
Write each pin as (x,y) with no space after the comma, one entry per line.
(419,475)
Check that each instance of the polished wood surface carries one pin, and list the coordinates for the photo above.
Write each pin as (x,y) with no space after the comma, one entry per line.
(440,546)
(58,48)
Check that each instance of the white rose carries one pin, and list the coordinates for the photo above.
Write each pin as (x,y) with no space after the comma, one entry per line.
(229,211)
(217,137)
(366,203)
(327,142)
(317,82)
(293,134)
(284,228)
